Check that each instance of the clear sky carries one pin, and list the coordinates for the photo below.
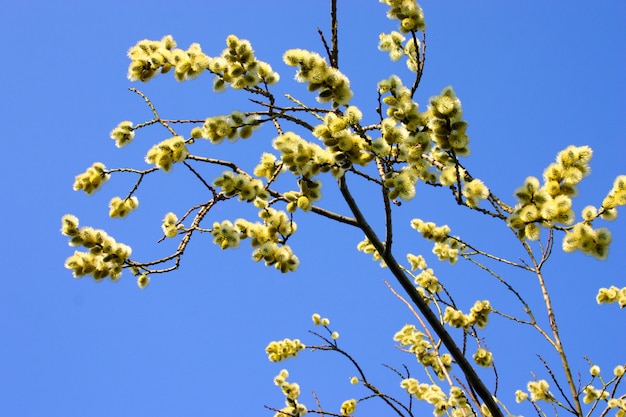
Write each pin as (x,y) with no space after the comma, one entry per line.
(533,77)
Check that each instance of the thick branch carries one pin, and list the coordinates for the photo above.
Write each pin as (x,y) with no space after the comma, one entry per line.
(334,25)
(467,369)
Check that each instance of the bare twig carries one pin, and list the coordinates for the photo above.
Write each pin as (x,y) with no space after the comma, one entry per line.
(176,256)
(556,382)
(488,255)
(200,178)
(332,346)
(157,118)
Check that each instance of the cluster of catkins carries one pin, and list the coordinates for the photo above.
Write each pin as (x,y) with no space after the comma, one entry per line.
(291,391)
(549,204)
(445,247)
(478,316)
(166,153)
(310,191)
(282,349)
(416,342)
(234,126)
(105,257)
(267,238)
(348,147)
(332,85)
(92,179)
(304,158)
(236,66)
(247,188)
(455,402)
(122,208)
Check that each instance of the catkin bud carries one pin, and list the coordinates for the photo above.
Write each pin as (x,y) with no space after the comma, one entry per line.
(594,370)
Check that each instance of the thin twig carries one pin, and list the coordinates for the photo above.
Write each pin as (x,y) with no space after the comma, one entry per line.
(200,178)
(332,346)
(556,382)
(555,331)
(153,109)
(326,47)
(428,334)
(176,256)
(488,255)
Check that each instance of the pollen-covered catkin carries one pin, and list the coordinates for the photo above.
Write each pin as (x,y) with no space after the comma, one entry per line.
(248,189)
(92,179)
(291,391)
(483,358)
(267,167)
(238,67)
(225,235)
(283,349)
(143,280)
(348,407)
(169,225)
(123,133)
(539,390)
(474,191)
(165,154)
(408,13)
(612,295)
(122,208)
(232,127)
(333,86)
(104,256)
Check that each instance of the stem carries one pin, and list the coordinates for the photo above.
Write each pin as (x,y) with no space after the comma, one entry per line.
(334,25)
(470,374)
(558,345)
(377,393)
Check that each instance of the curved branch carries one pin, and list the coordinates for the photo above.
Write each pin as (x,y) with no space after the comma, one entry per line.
(204,209)
(421,59)
(377,393)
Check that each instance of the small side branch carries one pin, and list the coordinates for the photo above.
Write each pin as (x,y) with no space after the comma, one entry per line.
(558,344)
(176,256)
(201,178)
(157,118)
(332,346)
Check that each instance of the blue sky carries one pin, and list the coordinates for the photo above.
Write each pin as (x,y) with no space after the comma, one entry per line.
(533,77)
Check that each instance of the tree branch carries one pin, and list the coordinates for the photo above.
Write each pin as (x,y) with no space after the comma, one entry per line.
(334,26)
(467,369)
(558,344)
